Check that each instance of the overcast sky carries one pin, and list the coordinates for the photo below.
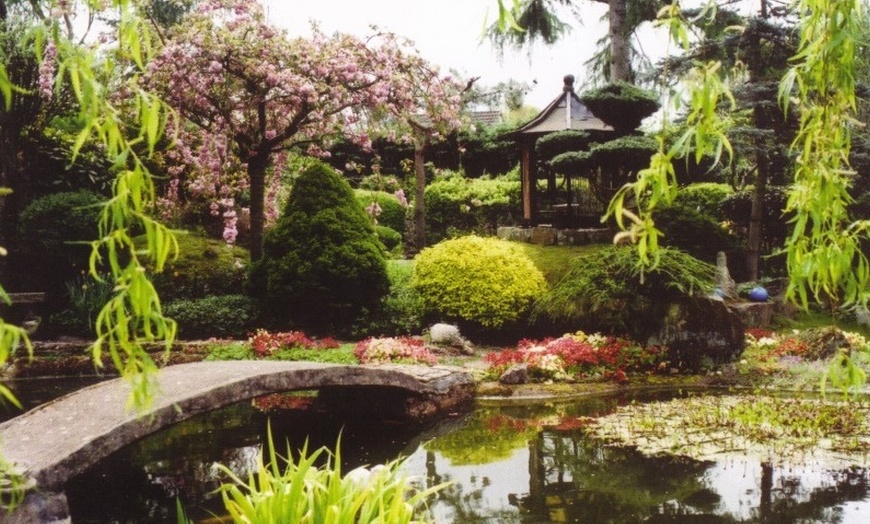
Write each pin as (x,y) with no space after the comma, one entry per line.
(448,33)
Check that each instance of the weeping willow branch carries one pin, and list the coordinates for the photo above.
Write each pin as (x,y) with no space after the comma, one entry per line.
(824,256)
(705,135)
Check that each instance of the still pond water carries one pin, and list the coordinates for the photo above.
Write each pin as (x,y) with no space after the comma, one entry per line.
(529,463)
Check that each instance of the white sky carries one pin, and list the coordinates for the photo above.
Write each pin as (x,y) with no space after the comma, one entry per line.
(448,33)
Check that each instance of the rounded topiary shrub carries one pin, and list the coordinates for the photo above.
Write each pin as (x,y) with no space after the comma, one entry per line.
(553,144)
(220,316)
(204,267)
(55,230)
(621,105)
(390,238)
(322,264)
(485,281)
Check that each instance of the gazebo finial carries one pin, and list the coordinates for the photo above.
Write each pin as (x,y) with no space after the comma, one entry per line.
(569,83)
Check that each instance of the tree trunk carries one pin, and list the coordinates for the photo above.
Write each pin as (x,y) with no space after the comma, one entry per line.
(620,51)
(756,216)
(257,166)
(421,142)
(13,176)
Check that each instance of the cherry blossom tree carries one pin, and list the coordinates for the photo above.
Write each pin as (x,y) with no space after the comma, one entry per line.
(245,94)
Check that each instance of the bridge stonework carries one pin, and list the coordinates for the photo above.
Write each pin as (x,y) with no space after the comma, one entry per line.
(60,439)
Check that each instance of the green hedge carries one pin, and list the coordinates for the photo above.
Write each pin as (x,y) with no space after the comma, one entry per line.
(392,212)
(456,205)
(704,197)
(204,267)
(56,231)
(223,316)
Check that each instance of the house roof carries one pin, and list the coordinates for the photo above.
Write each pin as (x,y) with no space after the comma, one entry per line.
(488,118)
(566,111)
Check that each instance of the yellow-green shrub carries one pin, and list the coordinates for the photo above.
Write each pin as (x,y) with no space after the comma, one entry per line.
(487,281)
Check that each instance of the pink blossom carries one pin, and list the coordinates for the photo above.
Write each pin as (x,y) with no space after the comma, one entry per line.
(47,70)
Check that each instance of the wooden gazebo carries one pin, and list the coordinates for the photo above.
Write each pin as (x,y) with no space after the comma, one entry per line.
(566,111)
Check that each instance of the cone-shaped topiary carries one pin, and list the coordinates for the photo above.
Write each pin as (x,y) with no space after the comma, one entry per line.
(486,281)
(322,263)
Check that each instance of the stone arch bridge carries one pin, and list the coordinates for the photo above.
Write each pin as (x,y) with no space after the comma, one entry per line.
(60,439)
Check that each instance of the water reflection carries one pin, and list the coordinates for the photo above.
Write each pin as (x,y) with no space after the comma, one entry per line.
(509,464)
(568,477)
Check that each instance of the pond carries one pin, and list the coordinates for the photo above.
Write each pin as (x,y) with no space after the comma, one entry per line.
(512,463)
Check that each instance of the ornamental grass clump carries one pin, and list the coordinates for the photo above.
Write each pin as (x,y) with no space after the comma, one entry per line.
(485,281)
(397,350)
(577,356)
(294,489)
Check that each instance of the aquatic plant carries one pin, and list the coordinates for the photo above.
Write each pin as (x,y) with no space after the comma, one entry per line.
(775,429)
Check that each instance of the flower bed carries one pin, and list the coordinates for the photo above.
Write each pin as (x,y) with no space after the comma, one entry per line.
(265,344)
(577,356)
(401,350)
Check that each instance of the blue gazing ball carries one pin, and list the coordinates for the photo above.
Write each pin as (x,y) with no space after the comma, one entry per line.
(758,294)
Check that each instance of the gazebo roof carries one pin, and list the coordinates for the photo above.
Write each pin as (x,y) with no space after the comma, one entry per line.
(565,112)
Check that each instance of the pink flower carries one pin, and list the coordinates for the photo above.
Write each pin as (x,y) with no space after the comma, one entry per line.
(47,70)
(400,196)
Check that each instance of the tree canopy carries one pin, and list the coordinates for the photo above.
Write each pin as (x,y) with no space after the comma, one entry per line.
(246,93)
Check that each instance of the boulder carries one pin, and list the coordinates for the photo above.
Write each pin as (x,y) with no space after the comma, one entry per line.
(516,374)
(700,333)
(447,335)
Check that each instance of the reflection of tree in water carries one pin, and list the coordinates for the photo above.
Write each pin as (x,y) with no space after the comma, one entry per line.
(788,500)
(576,479)
(465,502)
(147,477)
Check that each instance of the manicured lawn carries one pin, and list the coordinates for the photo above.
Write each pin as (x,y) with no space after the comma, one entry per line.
(554,261)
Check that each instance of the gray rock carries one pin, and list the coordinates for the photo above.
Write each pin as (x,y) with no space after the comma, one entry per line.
(447,335)
(700,333)
(516,374)
(723,277)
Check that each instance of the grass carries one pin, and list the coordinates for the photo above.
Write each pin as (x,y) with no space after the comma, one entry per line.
(241,350)
(555,261)
(817,318)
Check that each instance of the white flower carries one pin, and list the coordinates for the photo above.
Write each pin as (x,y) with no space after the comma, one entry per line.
(767,341)
(596,339)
